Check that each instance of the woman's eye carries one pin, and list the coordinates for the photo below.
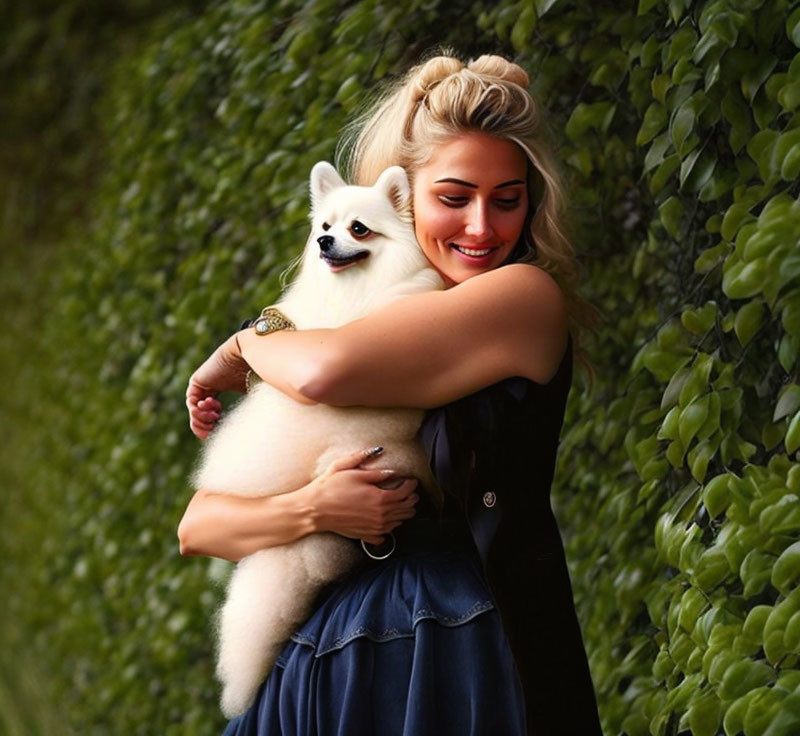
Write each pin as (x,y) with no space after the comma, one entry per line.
(452,200)
(508,203)
(359,229)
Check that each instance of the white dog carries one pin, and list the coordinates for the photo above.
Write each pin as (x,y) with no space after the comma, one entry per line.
(362,253)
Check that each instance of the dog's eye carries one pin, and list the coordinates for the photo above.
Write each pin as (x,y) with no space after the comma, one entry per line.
(326,226)
(359,229)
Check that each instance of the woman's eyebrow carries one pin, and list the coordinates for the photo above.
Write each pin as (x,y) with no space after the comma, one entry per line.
(451,180)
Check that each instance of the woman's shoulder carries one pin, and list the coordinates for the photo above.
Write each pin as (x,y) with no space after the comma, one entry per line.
(529,310)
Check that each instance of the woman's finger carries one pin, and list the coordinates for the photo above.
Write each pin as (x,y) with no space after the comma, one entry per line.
(374,476)
(398,495)
(375,541)
(210,404)
(354,459)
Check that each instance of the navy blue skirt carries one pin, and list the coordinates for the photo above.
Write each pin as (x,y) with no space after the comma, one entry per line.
(409,646)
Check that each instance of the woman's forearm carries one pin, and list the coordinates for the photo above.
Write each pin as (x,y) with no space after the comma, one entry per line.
(233,527)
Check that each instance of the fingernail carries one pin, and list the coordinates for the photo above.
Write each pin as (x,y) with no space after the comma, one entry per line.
(374,451)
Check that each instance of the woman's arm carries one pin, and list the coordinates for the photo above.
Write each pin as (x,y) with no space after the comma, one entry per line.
(424,350)
(344,499)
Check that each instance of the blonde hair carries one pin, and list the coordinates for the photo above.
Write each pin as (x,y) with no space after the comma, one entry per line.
(445,97)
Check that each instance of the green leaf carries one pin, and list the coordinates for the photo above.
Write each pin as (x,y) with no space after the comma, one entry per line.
(790,314)
(697,381)
(704,714)
(745,280)
(787,352)
(673,389)
(698,174)
(544,6)
(755,572)
(709,258)
(669,427)
(655,118)
(663,174)
(645,6)
(735,216)
(756,621)
(793,27)
(655,154)
(789,96)
(681,125)
(757,75)
(790,168)
(659,87)
(692,418)
(681,44)
(586,116)
(733,722)
(671,213)
(788,402)
(781,517)
(791,634)
(792,439)
(760,149)
(744,676)
(699,321)
(785,719)
(716,495)
(748,320)
(737,112)
(711,569)
(524,28)
(786,571)
(787,144)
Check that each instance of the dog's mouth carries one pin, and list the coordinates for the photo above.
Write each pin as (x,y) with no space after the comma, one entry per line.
(339,263)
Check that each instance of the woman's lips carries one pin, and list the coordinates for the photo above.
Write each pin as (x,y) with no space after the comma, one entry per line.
(477,255)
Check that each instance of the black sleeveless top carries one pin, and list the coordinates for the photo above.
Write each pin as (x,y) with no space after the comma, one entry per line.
(494,454)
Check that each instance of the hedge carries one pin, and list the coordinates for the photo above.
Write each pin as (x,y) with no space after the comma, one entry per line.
(678,488)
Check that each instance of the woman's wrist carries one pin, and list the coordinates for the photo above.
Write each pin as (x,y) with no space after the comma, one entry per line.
(306,499)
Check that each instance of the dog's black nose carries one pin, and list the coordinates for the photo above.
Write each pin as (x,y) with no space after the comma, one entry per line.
(325,242)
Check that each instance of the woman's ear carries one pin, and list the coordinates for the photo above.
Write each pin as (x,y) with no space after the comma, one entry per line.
(393,182)
(324,179)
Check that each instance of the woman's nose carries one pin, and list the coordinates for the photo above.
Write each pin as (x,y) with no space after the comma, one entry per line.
(478,225)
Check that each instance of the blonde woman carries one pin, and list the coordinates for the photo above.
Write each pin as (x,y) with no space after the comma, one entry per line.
(469,627)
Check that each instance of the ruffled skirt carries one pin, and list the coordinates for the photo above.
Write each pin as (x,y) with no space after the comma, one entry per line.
(410,646)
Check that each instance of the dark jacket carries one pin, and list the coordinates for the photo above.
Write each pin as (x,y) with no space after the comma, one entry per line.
(494,453)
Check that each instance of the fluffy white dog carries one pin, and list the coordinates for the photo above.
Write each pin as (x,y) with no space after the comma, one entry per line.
(362,253)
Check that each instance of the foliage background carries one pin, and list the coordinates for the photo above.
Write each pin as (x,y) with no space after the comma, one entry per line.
(153,173)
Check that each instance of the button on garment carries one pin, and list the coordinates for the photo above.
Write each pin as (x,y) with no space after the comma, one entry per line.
(489,499)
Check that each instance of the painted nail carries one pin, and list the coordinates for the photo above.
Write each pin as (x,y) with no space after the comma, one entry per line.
(374,451)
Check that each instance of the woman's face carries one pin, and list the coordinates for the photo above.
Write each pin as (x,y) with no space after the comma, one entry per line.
(470,203)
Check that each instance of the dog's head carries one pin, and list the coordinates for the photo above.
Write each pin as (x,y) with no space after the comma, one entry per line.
(352,225)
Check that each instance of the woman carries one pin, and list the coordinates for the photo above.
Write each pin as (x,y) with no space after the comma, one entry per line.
(469,627)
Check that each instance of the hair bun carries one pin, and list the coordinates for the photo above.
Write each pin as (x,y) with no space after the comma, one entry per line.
(496,66)
(433,71)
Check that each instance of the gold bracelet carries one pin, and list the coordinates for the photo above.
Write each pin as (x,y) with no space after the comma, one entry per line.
(271,319)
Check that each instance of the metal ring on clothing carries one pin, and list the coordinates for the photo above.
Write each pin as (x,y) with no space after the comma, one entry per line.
(379,557)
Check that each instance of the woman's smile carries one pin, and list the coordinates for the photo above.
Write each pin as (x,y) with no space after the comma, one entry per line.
(470,204)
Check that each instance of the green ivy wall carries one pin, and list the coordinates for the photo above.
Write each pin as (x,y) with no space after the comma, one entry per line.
(678,487)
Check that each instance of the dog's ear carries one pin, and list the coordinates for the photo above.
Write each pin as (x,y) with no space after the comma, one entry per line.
(324,179)
(393,182)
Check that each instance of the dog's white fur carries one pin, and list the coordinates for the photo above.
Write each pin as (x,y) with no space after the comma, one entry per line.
(270,444)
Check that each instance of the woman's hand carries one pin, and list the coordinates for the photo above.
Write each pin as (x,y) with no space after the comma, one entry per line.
(348,501)
(225,370)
